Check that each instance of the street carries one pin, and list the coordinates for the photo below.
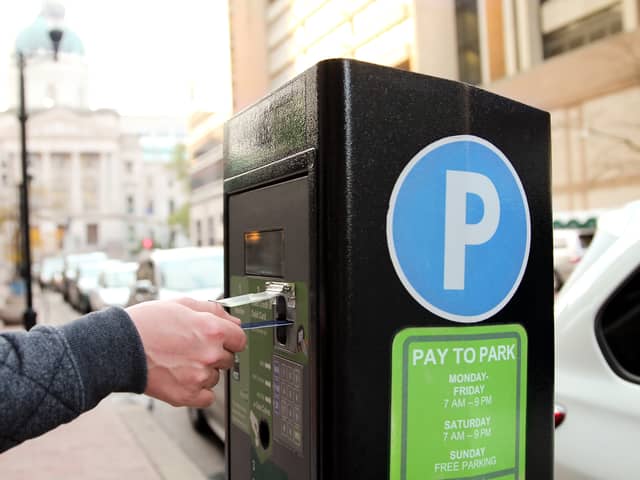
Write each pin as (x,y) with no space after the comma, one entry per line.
(205,452)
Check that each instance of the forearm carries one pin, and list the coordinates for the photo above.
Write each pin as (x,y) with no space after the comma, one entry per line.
(51,375)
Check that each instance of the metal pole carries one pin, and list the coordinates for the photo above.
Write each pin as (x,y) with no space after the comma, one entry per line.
(29,317)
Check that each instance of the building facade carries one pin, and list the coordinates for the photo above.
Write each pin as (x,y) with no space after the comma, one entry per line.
(204,149)
(98,181)
(577,59)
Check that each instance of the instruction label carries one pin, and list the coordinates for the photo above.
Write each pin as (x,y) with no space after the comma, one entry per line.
(458,403)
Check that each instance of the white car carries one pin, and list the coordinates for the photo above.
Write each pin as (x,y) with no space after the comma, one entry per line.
(196,272)
(85,280)
(598,356)
(70,271)
(113,285)
(50,270)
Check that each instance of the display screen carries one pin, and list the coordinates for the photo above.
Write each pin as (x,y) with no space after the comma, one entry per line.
(264,253)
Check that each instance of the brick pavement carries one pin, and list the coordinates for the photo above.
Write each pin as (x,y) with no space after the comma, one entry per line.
(114,441)
(119,439)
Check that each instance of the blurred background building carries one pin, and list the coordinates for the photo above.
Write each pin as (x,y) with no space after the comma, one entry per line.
(103,180)
(204,148)
(98,181)
(578,59)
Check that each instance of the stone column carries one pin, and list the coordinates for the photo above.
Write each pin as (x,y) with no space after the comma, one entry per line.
(510,38)
(435,41)
(529,33)
(104,202)
(630,15)
(75,176)
(46,179)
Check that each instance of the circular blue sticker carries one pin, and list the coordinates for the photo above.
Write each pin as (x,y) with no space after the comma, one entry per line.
(458,228)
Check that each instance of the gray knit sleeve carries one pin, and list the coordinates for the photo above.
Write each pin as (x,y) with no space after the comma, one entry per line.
(51,375)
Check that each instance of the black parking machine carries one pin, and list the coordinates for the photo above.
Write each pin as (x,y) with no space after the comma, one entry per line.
(396,229)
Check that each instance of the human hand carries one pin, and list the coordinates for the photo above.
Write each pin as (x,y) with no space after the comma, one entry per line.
(187,342)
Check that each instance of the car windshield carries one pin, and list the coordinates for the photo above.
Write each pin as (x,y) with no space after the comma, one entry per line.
(74,261)
(91,270)
(119,279)
(52,265)
(184,274)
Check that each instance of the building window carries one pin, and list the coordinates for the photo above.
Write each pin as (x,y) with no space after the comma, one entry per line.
(172,206)
(130,205)
(198,233)
(150,207)
(581,32)
(209,174)
(128,166)
(468,41)
(131,233)
(211,231)
(92,234)
(5,180)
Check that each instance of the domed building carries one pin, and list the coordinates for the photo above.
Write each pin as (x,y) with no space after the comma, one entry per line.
(95,182)
(51,83)
(35,38)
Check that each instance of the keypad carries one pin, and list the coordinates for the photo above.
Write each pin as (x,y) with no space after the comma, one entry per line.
(287,402)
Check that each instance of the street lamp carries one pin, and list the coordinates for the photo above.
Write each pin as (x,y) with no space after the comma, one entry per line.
(29,317)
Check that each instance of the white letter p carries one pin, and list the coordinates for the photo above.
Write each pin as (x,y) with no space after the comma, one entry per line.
(457,232)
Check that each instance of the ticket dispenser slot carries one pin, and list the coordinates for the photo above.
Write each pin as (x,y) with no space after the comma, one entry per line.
(391,212)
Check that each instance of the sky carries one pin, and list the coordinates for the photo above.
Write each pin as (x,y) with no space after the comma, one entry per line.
(145,57)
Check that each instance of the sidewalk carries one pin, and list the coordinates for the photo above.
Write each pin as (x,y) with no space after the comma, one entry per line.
(117,440)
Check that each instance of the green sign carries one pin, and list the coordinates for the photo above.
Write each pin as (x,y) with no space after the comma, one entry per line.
(458,403)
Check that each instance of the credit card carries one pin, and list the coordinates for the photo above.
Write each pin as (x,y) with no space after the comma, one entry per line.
(266,324)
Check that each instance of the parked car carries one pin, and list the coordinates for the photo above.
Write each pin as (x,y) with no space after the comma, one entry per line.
(113,286)
(71,263)
(569,246)
(177,272)
(12,302)
(191,272)
(86,279)
(598,370)
(50,271)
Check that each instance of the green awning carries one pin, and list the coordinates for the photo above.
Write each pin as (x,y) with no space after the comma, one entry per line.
(591,222)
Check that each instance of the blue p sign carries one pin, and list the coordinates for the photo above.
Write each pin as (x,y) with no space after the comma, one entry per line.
(458,228)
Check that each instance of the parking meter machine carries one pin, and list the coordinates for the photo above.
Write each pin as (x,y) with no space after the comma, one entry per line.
(388,235)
